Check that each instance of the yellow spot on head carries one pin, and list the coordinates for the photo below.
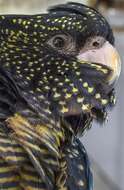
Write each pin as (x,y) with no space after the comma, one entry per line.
(79,26)
(56,19)
(24,22)
(80,100)
(65,90)
(104,101)
(35,40)
(85,84)
(31,75)
(78,73)
(19,20)
(64,110)
(74,90)
(97,96)
(28,78)
(14,20)
(67,80)
(68,96)
(56,95)
(85,107)
(90,89)
(47,87)
(38,69)
(43,27)
(3,17)
(35,33)
(63,26)
(62,103)
(38,89)
(26,26)
(36,25)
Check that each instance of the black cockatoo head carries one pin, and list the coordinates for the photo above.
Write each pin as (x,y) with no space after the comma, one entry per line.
(64,61)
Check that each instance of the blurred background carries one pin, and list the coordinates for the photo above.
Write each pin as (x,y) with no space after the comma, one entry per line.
(105,145)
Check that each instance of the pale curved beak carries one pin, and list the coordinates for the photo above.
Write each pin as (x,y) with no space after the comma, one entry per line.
(106,55)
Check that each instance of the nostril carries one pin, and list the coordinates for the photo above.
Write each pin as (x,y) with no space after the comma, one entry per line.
(95,44)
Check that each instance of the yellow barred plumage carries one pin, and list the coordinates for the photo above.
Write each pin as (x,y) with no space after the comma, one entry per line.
(26,152)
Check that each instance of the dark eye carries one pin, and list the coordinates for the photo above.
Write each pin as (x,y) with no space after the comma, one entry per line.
(59,42)
(62,43)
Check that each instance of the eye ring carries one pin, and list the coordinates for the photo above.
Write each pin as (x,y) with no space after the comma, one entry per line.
(62,43)
(58,42)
